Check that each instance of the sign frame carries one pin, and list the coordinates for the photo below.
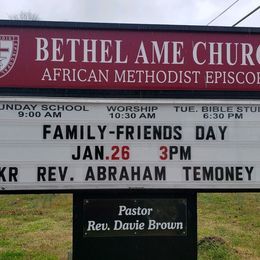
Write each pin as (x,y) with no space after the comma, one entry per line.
(138,94)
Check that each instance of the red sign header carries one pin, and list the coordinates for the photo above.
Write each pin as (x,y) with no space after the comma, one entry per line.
(128,59)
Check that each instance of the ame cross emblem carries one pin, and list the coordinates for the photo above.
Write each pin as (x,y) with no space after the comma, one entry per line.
(1,57)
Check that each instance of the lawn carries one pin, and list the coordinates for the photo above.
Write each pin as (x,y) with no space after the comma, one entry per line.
(229,226)
(35,226)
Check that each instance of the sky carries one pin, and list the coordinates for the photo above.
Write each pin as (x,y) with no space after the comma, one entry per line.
(172,12)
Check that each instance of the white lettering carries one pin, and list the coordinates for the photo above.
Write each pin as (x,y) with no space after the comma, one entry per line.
(142,54)
(195,53)
(56,49)
(42,53)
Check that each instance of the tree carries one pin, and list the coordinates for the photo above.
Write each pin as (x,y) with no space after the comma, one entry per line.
(25,15)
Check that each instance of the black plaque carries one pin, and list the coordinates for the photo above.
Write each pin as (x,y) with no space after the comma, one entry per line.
(134,217)
(142,244)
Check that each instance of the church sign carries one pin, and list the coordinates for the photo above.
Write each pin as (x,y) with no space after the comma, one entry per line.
(128,59)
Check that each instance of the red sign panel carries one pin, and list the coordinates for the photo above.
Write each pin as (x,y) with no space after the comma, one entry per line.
(128,59)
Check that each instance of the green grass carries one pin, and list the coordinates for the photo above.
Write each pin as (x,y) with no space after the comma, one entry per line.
(234,219)
(40,226)
(35,226)
(216,248)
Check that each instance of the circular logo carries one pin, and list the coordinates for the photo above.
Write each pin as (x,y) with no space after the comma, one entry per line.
(9,46)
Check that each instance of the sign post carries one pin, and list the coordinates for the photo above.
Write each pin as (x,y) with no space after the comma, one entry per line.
(133,120)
